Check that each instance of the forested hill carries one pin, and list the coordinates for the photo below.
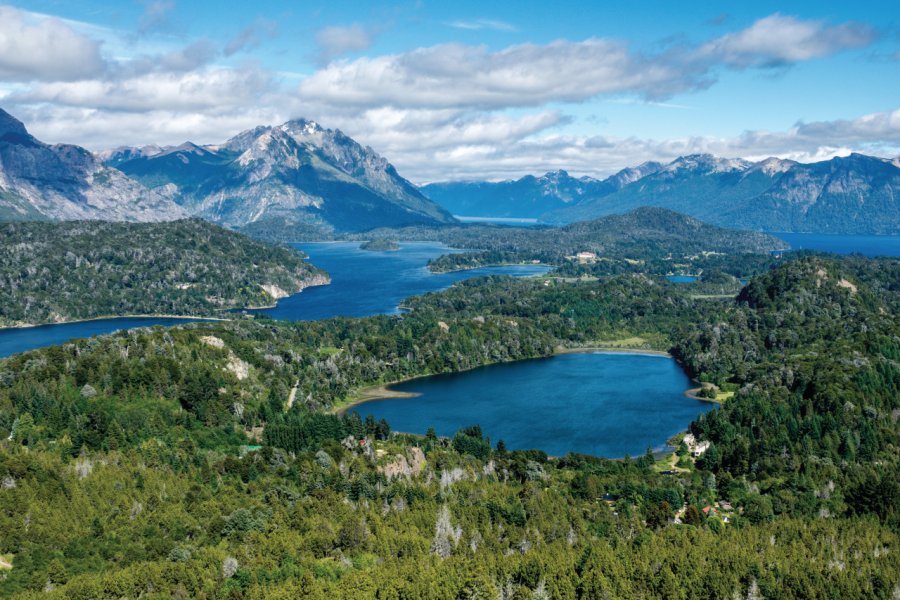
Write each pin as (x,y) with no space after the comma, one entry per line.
(125,471)
(643,234)
(53,272)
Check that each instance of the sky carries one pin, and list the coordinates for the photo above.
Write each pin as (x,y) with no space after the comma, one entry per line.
(465,90)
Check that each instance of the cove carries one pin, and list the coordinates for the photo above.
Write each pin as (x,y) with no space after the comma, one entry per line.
(365,282)
(603,404)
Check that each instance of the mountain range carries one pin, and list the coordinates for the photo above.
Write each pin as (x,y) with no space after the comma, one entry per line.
(530,196)
(300,177)
(39,181)
(856,194)
(298,172)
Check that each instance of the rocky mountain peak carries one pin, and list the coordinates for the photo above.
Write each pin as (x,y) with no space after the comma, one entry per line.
(11,125)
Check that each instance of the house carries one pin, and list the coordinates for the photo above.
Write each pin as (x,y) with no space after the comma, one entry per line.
(695,447)
(585,257)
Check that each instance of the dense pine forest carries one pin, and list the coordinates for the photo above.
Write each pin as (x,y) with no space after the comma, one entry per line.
(54,272)
(208,460)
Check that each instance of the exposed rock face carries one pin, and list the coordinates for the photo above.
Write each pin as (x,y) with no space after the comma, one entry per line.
(296,172)
(65,182)
(410,465)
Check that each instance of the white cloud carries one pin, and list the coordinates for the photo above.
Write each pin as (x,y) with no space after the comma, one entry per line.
(38,48)
(335,41)
(780,40)
(457,75)
(209,89)
(483,24)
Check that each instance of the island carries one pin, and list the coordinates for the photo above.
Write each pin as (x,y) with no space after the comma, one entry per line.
(380,245)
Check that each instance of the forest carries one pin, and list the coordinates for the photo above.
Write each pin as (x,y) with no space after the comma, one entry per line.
(55,272)
(171,462)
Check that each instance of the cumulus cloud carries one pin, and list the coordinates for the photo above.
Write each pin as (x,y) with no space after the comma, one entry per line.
(35,47)
(209,89)
(456,75)
(335,41)
(252,36)
(779,40)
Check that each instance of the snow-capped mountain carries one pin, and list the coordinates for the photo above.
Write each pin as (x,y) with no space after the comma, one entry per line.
(854,194)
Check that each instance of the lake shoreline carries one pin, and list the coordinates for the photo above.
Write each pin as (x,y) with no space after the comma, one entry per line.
(492,266)
(382,391)
(192,318)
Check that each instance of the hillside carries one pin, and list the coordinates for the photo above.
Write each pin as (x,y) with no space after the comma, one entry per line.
(296,175)
(125,463)
(653,239)
(53,272)
(849,195)
(65,182)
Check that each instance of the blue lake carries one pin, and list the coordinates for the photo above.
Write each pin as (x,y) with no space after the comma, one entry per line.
(868,245)
(603,404)
(682,278)
(367,283)
(363,283)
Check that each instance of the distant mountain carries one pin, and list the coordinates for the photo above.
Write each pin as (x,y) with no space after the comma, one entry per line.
(296,173)
(851,195)
(528,197)
(64,182)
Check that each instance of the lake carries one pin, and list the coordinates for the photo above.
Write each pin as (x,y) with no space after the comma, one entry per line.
(20,339)
(363,283)
(604,404)
(868,245)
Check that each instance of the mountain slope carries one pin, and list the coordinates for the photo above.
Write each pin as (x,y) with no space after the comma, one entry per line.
(528,197)
(39,181)
(296,173)
(851,195)
(53,272)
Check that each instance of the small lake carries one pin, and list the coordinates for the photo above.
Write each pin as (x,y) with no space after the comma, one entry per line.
(14,340)
(604,404)
(682,278)
(365,282)
(868,245)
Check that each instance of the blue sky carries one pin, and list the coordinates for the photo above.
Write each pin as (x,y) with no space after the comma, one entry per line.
(466,90)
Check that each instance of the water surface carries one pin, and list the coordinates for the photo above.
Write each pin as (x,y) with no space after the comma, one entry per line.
(595,403)
(365,282)
(868,245)
(20,339)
